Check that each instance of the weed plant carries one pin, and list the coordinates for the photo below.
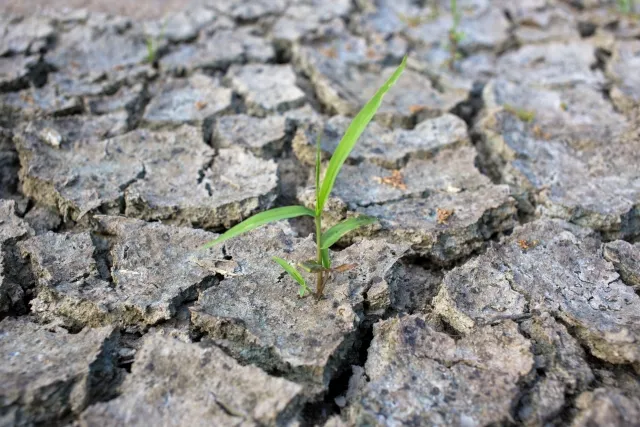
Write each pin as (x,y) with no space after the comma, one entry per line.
(321,266)
(625,6)
(455,36)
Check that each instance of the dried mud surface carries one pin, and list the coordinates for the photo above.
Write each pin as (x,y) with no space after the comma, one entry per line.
(500,285)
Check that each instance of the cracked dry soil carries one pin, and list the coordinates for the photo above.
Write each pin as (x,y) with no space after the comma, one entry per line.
(500,286)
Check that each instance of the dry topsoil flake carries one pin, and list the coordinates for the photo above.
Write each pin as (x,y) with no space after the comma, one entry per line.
(173,383)
(163,175)
(154,269)
(417,374)
(577,286)
(48,373)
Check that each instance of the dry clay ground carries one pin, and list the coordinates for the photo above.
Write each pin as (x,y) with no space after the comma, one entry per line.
(500,286)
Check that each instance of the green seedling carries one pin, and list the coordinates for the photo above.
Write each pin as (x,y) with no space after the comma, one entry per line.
(455,36)
(321,266)
(625,6)
(151,50)
(525,115)
(152,44)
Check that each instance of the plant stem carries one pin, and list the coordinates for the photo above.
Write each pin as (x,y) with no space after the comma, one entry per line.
(320,274)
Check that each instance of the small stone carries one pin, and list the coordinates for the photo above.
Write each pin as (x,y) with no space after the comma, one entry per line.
(341,401)
(266,88)
(577,286)
(51,137)
(137,290)
(257,316)
(606,407)
(264,137)
(231,395)
(48,373)
(417,375)
(625,257)
(175,102)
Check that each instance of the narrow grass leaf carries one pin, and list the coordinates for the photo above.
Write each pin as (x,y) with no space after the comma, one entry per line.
(262,218)
(326,261)
(334,234)
(312,266)
(295,274)
(351,136)
(318,164)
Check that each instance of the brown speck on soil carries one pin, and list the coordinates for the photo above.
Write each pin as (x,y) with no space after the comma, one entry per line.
(371,53)
(396,180)
(539,133)
(443,215)
(414,109)
(330,52)
(526,244)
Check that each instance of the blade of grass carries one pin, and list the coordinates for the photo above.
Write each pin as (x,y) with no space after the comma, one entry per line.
(326,261)
(351,136)
(318,165)
(295,274)
(262,218)
(312,266)
(334,234)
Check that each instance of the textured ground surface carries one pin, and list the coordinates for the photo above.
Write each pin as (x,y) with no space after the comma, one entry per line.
(501,285)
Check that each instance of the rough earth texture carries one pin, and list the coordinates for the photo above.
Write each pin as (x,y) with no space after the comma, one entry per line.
(499,286)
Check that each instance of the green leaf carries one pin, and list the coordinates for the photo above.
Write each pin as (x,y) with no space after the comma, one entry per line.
(261,219)
(295,274)
(334,234)
(326,261)
(351,136)
(312,266)
(318,165)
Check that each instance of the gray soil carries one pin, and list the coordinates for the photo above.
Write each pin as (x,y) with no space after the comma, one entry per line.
(500,285)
